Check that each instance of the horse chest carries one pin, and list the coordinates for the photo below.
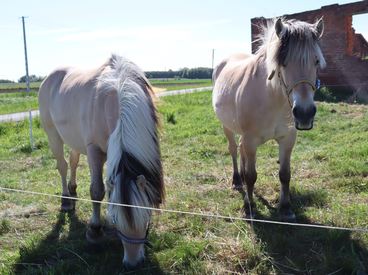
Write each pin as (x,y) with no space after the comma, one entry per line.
(271,128)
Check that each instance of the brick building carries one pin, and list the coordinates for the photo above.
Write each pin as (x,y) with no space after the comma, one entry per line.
(345,51)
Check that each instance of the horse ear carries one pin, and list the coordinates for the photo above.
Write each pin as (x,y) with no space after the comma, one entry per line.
(141,183)
(279,28)
(319,26)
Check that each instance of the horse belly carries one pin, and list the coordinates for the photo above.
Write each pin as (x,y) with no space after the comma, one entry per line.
(69,126)
(223,105)
(72,138)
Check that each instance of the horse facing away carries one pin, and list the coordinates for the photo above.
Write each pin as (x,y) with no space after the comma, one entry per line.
(269,95)
(109,114)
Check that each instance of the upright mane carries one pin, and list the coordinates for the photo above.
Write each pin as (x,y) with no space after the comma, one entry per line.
(299,42)
(135,166)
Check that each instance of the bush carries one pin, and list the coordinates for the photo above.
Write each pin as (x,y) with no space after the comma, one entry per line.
(333,94)
(195,73)
(324,94)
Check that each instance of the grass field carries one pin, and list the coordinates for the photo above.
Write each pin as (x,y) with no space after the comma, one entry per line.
(329,186)
(21,101)
(168,84)
(179,84)
(18,102)
(18,87)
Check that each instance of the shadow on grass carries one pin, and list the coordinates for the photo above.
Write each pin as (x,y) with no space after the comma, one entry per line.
(300,250)
(64,250)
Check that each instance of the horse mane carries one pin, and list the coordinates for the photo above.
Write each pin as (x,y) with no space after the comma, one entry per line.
(299,42)
(139,153)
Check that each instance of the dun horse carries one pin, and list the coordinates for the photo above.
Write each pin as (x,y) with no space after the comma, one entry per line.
(269,95)
(108,114)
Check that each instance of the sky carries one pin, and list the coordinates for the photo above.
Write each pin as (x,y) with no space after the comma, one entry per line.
(156,35)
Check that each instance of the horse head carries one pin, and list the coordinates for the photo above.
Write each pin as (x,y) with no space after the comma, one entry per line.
(298,57)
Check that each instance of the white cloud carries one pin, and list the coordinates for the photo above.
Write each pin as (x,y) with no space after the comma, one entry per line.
(178,32)
(141,33)
(48,32)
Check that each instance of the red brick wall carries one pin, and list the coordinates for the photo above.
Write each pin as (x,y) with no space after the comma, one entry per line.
(338,42)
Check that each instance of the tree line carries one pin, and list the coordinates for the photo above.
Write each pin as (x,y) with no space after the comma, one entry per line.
(194,73)
(32,78)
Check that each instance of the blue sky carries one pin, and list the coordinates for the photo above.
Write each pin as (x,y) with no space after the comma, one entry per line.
(157,35)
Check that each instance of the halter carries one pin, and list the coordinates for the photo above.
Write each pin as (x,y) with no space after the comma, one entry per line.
(129,240)
(133,240)
(288,90)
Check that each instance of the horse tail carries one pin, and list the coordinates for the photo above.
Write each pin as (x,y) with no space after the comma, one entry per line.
(133,148)
(217,70)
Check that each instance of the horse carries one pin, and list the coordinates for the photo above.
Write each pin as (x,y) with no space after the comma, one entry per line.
(269,95)
(109,114)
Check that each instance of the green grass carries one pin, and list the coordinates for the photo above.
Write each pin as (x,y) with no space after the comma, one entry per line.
(18,102)
(11,87)
(329,186)
(169,84)
(21,101)
(180,84)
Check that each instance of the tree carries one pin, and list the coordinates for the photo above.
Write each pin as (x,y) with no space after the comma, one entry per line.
(32,78)
(6,81)
(195,73)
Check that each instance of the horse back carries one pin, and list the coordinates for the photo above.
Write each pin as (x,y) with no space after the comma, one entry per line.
(49,85)
(71,102)
(235,58)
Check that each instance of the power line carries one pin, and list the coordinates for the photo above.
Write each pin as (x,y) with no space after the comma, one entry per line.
(206,215)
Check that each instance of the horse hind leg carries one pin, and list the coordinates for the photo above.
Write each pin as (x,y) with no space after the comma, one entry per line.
(233,149)
(57,147)
(73,161)
(96,159)
(249,174)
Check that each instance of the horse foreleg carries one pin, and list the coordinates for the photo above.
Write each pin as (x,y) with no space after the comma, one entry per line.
(233,149)
(285,148)
(73,161)
(249,173)
(96,159)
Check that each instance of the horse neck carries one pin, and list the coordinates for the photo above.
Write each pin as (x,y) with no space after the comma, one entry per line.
(275,90)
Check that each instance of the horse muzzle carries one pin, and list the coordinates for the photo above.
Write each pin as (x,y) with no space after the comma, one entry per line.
(129,267)
(304,117)
(303,126)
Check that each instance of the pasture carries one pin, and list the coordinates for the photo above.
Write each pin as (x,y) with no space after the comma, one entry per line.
(13,102)
(18,87)
(329,186)
(18,102)
(164,83)
(180,84)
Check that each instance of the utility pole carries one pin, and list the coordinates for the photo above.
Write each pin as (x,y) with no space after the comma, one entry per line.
(27,82)
(213,57)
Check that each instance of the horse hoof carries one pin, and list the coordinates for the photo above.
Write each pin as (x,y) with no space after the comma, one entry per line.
(287,216)
(237,182)
(67,205)
(237,187)
(94,234)
(72,190)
